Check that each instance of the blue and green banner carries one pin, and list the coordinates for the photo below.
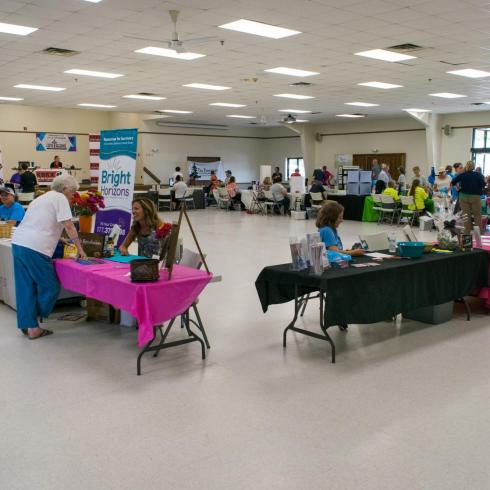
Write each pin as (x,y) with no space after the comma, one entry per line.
(117,173)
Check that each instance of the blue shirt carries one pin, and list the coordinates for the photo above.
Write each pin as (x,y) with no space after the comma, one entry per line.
(330,237)
(15,212)
(470,183)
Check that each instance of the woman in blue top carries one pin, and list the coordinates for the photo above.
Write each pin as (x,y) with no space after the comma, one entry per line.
(329,218)
(10,210)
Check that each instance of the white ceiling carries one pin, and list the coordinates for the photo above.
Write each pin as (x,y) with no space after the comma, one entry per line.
(454,31)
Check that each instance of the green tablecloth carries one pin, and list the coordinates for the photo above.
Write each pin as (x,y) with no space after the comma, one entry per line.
(368,214)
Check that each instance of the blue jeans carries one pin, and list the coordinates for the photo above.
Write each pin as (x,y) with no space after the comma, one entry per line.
(36,286)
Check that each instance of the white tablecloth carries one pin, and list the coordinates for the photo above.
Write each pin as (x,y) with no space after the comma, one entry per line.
(7,281)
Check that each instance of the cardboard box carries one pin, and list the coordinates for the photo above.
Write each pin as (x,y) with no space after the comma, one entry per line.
(298,214)
(102,312)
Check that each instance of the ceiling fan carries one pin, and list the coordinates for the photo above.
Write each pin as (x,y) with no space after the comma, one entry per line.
(175,43)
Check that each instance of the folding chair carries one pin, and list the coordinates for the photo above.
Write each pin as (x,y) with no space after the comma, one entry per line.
(270,202)
(316,197)
(410,214)
(256,205)
(389,207)
(25,198)
(378,206)
(164,199)
(189,198)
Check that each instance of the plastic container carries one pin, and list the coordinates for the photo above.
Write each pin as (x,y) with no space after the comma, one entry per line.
(432,314)
(411,249)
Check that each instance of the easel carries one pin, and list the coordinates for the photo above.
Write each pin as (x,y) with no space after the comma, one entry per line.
(173,245)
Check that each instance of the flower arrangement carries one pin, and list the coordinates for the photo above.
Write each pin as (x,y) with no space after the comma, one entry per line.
(163,230)
(88,203)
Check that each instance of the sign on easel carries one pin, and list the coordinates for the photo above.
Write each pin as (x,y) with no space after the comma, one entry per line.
(117,172)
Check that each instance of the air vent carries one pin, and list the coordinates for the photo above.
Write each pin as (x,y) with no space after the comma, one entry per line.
(452,63)
(300,84)
(405,47)
(60,52)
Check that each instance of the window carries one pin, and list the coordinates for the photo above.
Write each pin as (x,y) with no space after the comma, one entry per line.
(480,151)
(292,164)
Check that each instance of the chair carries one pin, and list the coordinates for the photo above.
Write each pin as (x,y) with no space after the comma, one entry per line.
(193,260)
(189,199)
(316,197)
(25,198)
(378,206)
(376,241)
(256,205)
(270,202)
(295,197)
(410,214)
(224,198)
(164,199)
(389,207)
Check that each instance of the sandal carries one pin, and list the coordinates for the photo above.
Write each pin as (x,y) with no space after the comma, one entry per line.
(25,331)
(44,333)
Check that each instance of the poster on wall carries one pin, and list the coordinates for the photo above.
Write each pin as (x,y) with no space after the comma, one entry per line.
(94,150)
(56,142)
(117,172)
(200,167)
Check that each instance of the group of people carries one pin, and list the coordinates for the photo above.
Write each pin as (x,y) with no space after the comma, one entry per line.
(461,184)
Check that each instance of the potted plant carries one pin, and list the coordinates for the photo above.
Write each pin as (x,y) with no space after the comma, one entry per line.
(85,205)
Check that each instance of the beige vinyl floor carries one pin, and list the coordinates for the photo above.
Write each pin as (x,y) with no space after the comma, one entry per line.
(407,406)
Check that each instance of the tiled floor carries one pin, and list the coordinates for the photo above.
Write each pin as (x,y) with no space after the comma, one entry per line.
(405,407)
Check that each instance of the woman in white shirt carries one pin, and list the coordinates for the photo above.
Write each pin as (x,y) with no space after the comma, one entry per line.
(33,245)
(442,187)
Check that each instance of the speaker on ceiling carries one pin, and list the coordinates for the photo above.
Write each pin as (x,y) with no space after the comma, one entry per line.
(319,137)
(448,130)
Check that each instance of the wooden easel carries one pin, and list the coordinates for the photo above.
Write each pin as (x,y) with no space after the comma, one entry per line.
(173,245)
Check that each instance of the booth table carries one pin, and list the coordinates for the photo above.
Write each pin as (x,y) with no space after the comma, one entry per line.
(485,291)
(368,214)
(353,205)
(373,294)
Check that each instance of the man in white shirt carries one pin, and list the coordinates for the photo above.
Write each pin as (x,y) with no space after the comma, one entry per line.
(179,188)
(280,194)
(384,175)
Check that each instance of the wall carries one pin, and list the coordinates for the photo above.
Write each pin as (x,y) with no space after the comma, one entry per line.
(19,144)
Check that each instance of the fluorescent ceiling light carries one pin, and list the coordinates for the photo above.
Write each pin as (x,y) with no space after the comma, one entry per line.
(470,73)
(382,85)
(39,87)
(206,86)
(226,104)
(89,73)
(295,111)
(362,104)
(487,103)
(447,95)
(259,29)
(302,120)
(350,115)
(294,72)
(15,29)
(295,96)
(239,116)
(101,106)
(16,99)
(413,109)
(93,1)
(169,53)
(143,97)
(172,111)
(384,55)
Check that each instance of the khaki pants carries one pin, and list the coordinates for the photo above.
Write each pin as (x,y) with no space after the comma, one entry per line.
(471,207)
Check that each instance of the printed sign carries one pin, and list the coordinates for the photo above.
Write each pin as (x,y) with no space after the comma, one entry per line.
(202,171)
(117,172)
(94,148)
(56,142)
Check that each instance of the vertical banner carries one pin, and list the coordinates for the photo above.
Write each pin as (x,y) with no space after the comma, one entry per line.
(117,172)
(94,150)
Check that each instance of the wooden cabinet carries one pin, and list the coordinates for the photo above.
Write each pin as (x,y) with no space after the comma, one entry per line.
(394,161)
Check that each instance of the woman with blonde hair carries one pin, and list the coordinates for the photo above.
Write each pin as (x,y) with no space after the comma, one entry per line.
(148,229)
(472,186)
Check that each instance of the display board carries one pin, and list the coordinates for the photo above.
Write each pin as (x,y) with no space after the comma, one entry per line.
(200,168)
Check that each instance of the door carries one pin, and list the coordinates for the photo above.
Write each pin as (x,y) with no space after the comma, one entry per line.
(393,160)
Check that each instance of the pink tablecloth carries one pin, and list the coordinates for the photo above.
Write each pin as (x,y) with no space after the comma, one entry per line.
(152,303)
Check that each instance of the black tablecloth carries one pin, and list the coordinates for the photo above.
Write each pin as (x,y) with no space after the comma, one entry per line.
(353,205)
(373,294)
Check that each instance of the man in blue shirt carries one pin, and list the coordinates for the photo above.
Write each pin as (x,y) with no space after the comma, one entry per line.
(10,210)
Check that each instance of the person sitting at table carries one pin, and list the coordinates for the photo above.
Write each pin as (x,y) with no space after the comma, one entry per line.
(33,245)
(277,173)
(28,180)
(296,173)
(280,195)
(56,163)
(419,196)
(234,193)
(179,188)
(146,224)
(10,210)
(15,179)
(265,186)
(391,191)
(379,187)
(317,184)
(472,187)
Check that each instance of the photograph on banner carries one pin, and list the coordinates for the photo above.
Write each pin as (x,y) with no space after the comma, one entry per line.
(200,167)
(56,142)
(117,173)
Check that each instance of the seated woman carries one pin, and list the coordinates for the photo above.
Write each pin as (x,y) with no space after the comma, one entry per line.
(33,245)
(329,219)
(419,196)
(265,186)
(317,186)
(379,187)
(10,210)
(147,229)
(235,196)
